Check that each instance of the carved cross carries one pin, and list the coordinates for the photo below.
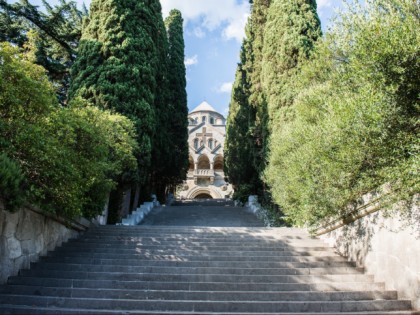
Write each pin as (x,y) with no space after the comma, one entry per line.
(204,135)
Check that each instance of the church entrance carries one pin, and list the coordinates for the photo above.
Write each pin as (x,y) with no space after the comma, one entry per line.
(203,196)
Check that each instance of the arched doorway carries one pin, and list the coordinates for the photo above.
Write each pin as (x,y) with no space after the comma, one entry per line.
(203,196)
(205,192)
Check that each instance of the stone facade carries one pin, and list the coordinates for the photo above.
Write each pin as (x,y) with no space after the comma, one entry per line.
(206,178)
(25,236)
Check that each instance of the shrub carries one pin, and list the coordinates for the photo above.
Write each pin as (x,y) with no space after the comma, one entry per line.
(354,121)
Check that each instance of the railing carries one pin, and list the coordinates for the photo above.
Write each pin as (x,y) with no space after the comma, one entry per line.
(204,173)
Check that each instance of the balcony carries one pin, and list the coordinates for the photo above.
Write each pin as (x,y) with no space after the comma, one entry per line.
(204,173)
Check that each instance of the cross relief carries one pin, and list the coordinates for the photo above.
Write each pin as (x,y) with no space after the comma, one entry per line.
(204,135)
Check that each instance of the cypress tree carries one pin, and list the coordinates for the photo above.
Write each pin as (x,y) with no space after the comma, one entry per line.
(178,118)
(238,145)
(256,37)
(118,63)
(161,138)
(257,100)
(291,30)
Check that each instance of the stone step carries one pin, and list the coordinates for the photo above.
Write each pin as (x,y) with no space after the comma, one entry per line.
(199,295)
(109,243)
(216,264)
(204,235)
(12,309)
(190,248)
(197,270)
(202,229)
(19,310)
(196,252)
(191,277)
(323,285)
(202,232)
(174,257)
(194,237)
(205,306)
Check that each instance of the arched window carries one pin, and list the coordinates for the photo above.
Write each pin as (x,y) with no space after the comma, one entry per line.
(203,119)
(212,120)
(196,144)
(218,163)
(203,162)
(211,144)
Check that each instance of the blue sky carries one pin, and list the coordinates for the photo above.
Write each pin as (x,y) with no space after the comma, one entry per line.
(213,31)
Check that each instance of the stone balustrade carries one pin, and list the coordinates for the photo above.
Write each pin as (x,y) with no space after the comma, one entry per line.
(140,213)
(204,173)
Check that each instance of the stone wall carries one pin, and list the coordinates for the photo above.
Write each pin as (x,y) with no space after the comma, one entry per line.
(25,236)
(387,245)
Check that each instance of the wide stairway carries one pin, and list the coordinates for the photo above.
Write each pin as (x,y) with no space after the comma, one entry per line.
(174,269)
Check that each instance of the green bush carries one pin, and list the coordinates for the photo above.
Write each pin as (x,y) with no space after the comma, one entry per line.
(354,122)
(70,157)
(11,180)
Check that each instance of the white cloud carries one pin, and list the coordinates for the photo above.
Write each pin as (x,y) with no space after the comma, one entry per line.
(226,87)
(236,29)
(210,15)
(190,61)
(198,32)
(324,3)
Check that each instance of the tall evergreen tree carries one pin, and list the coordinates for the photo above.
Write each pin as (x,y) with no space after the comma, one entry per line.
(291,30)
(257,100)
(161,138)
(178,113)
(290,33)
(118,63)
(245,134)
(238,145)
(256,37)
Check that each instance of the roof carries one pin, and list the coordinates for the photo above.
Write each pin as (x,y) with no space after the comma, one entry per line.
(203,107)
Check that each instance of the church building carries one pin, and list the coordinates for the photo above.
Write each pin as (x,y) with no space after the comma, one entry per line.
(206,178)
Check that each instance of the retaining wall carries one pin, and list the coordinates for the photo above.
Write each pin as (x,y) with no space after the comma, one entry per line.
(27,234)
(386,243)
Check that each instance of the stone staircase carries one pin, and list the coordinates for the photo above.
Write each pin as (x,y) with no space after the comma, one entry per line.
(193,270)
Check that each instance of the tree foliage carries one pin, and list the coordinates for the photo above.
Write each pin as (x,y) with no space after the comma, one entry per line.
(117,66)
(54,36)
(177,160)
(354,124)
(291,30)
(239,142)
(69,158)
(279,34)
(257,100)
(126,64)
